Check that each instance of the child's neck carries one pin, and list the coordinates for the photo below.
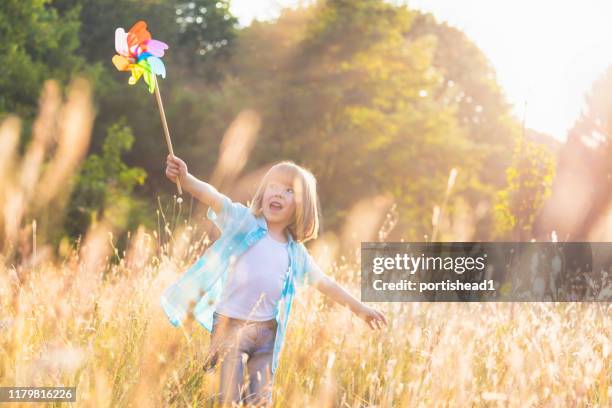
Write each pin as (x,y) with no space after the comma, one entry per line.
(277,232)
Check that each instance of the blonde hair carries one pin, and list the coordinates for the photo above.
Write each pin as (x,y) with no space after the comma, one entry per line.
(305,223)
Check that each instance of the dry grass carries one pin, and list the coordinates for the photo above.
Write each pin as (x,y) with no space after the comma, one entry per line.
(84,319)
(112,341)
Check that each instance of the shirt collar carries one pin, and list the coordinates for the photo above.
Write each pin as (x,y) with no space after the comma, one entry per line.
(261,221)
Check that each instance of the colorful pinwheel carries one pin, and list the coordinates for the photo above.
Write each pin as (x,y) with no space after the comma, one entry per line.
(140,54)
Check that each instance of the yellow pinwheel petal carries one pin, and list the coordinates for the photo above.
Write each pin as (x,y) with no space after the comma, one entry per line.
(121,63)
(137,72)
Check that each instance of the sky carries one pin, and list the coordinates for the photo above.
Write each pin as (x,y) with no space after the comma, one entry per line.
(546,53)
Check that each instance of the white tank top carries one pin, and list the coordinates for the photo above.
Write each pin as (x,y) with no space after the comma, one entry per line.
(260,272)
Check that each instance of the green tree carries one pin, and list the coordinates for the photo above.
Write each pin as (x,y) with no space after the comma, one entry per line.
(529,185)
(105,186)
(37,43)
(206,32)
(469,81)
(345,93)
(190,28)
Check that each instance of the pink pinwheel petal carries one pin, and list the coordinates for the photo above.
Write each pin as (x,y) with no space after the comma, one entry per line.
(121,42)
(156,47)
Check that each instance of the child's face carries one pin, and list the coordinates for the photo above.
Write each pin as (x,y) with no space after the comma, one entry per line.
(278,199)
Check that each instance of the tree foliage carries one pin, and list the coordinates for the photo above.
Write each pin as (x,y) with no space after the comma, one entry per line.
(105,186)
(482,112)
(373,97)
(38,43)
(529,182)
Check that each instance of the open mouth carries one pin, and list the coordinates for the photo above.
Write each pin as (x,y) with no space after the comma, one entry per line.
(276,206)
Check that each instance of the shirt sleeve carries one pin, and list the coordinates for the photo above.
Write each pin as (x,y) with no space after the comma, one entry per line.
(229,211)
(312,271)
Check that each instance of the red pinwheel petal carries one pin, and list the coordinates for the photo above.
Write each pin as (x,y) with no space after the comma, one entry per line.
(138,34)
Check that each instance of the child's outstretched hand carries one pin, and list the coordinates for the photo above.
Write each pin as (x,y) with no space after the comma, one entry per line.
(175,167)
(374,318)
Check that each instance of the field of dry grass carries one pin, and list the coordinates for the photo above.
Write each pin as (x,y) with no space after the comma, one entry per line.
(69,326)
(89,316)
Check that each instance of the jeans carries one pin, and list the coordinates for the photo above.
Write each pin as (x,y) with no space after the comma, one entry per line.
(231,339)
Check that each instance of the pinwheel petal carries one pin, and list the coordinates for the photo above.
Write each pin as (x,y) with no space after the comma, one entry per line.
(134,51)
(157,66)
(138,34)
(144,55)
(121,44)
(148,77)
(156,47)
(139,54)
(137,72)
(121,63)
(144,65)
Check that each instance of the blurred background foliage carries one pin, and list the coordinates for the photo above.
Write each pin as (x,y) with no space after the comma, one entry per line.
(374,98)
(105,187)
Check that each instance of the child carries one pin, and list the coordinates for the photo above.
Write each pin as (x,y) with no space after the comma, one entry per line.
(242,288)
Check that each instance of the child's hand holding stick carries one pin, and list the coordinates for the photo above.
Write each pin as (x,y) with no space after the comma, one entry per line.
(176,169)
(166,131)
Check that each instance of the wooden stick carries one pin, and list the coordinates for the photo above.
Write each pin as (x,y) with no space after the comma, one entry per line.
(165,125)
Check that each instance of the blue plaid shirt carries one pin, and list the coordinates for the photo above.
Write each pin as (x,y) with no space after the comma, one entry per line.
(200,287)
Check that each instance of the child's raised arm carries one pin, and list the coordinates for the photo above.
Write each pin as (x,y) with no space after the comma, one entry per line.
(201,190)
